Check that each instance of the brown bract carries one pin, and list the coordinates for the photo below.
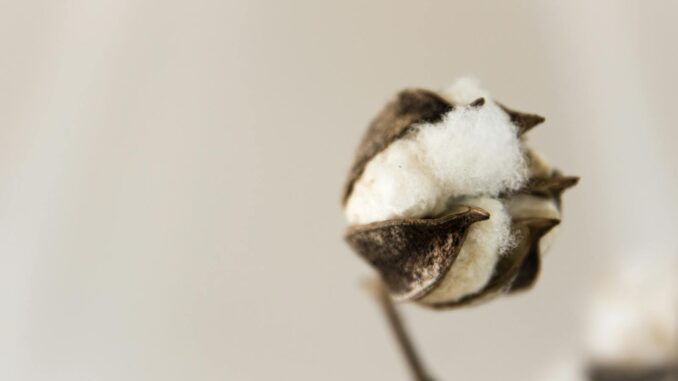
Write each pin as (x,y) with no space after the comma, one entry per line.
(523,121)
(552,186)
(413,255)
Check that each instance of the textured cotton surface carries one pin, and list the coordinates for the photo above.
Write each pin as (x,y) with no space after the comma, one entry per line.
(485,242)
(473,151)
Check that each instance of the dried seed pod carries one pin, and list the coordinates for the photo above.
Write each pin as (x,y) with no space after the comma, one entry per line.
(446,200)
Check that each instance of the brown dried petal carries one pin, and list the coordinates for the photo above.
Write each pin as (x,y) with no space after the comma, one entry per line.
(552,186)
(518,268)
(413,255)
(480,102)
(529,269)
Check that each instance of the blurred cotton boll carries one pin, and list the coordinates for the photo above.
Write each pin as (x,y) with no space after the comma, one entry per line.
(631,330)
(633,321)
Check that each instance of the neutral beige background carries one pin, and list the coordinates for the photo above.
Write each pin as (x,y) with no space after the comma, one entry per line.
(170,175)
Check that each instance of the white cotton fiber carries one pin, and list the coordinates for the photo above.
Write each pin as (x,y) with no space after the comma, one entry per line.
(484,244)
(396,183)
(473,151)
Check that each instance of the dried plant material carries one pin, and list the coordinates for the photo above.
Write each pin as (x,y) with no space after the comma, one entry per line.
(447,201)
(551,187)
(523,121)
(412,255)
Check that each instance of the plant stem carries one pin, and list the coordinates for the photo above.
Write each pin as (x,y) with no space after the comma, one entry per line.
(394,319)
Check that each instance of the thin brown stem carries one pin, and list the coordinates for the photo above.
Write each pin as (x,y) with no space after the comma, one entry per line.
(394,319)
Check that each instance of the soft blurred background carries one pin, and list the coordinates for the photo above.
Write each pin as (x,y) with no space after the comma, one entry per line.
(170,175)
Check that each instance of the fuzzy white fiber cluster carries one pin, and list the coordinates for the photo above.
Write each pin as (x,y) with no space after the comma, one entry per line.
(471,156)
(634,315)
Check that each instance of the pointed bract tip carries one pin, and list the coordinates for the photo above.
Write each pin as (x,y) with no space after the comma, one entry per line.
(540,226)
(523,121)
(478,102)
(465,215)
(477,214)
(526,122)
(560,183)
(568,182)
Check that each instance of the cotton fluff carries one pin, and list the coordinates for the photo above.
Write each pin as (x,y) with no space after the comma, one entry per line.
(634,315)
(485,242)
(472,151)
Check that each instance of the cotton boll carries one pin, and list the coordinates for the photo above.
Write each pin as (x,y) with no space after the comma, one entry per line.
(473,151)
(484,244)
(425,156)
(634,316)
